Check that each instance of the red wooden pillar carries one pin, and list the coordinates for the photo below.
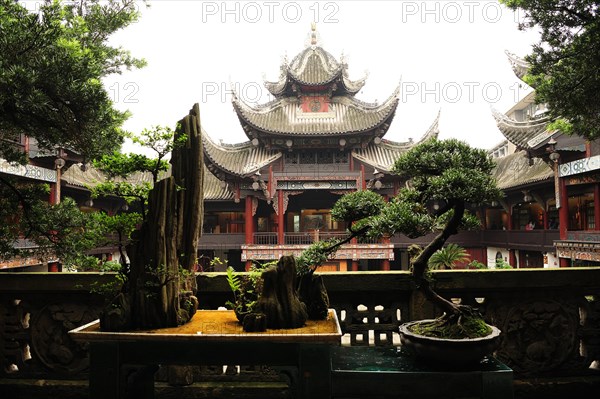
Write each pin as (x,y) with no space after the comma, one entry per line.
(55,188)
(597,206)
(362,178)
(248,226)
(512,258)
(563,212)
(385,264)
(280,218)
(54,266)
(249,221)
(563,218)
(52,197)
(355,265)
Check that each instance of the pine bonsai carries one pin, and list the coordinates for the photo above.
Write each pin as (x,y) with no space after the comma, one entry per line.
(447,172)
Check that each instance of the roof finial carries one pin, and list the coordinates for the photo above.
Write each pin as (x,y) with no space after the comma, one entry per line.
(313,34)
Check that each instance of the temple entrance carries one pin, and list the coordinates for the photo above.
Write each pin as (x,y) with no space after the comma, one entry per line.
(310,212)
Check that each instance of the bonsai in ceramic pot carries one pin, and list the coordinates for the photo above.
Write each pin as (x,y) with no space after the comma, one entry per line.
(443,179)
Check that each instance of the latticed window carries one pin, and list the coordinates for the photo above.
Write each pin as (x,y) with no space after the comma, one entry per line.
(320,158)
(589,211)
(307,157)
(340,157)
(291,158)
(324,157)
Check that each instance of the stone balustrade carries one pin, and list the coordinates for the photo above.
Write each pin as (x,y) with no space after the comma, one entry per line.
(550,320)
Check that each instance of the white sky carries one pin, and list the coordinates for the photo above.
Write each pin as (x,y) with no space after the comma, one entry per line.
(449,54)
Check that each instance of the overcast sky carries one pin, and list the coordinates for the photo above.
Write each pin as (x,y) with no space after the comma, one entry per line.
(449,55)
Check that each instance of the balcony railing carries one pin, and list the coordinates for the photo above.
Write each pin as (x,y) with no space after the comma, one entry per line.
(303,238)
(535,240)
(531,240)
(551,330)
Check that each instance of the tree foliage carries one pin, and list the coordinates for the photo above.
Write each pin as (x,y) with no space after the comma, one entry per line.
(161,140)
(448,257)
(52,63)
(565,63)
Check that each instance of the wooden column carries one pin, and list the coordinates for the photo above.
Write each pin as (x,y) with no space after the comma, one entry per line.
(249,227)
(52,197)
(563,212)
(355,265)
(597,206)
(385,264)
(512,259)
(363,183)
(54,266)
(280,218)
(249,221)
(563,218)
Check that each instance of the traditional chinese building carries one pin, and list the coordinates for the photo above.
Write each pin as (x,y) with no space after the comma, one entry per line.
(549,178)
(314,142)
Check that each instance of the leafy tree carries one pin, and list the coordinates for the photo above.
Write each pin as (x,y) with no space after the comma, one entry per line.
(52,62)
(448,172)
(51,67)
(565,63)
(159,139)
(448,257)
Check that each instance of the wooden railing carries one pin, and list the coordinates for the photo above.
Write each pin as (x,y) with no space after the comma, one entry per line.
(550,319)
(302,238)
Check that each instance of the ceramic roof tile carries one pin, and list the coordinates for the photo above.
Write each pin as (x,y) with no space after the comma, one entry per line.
(74,176)
(514,170)
(522,134)
(383,155)
(238,159)
(346,116)
(519,65)
(314,67)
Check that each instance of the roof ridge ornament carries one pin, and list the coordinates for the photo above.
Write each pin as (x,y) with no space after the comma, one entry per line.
(314,37)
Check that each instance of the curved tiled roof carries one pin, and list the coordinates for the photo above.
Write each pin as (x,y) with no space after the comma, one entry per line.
(314,67)
(519,65)
(91,177)
(74,176)
(214,189)
(346,116)
(383,155)
(514,170)
(242,159)
(522,134)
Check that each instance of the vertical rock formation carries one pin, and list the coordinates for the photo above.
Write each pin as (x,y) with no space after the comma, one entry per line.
(161,291)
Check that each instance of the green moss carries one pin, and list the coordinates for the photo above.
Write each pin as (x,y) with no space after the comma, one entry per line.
(455,328)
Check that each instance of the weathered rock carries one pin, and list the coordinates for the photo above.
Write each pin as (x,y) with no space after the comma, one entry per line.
(312,292)
(279,300)
(159,294)
(255,322)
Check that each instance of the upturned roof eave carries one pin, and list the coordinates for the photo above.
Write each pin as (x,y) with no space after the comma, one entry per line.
(374,154)
(211,149)
(242,109)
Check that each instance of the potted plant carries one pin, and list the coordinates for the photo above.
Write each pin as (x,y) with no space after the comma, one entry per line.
(246,289)
(443,178)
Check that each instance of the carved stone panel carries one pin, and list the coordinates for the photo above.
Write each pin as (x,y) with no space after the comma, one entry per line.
(50,339)
(540,335)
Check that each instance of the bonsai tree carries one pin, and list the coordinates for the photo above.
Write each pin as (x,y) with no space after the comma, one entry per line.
(449,172)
